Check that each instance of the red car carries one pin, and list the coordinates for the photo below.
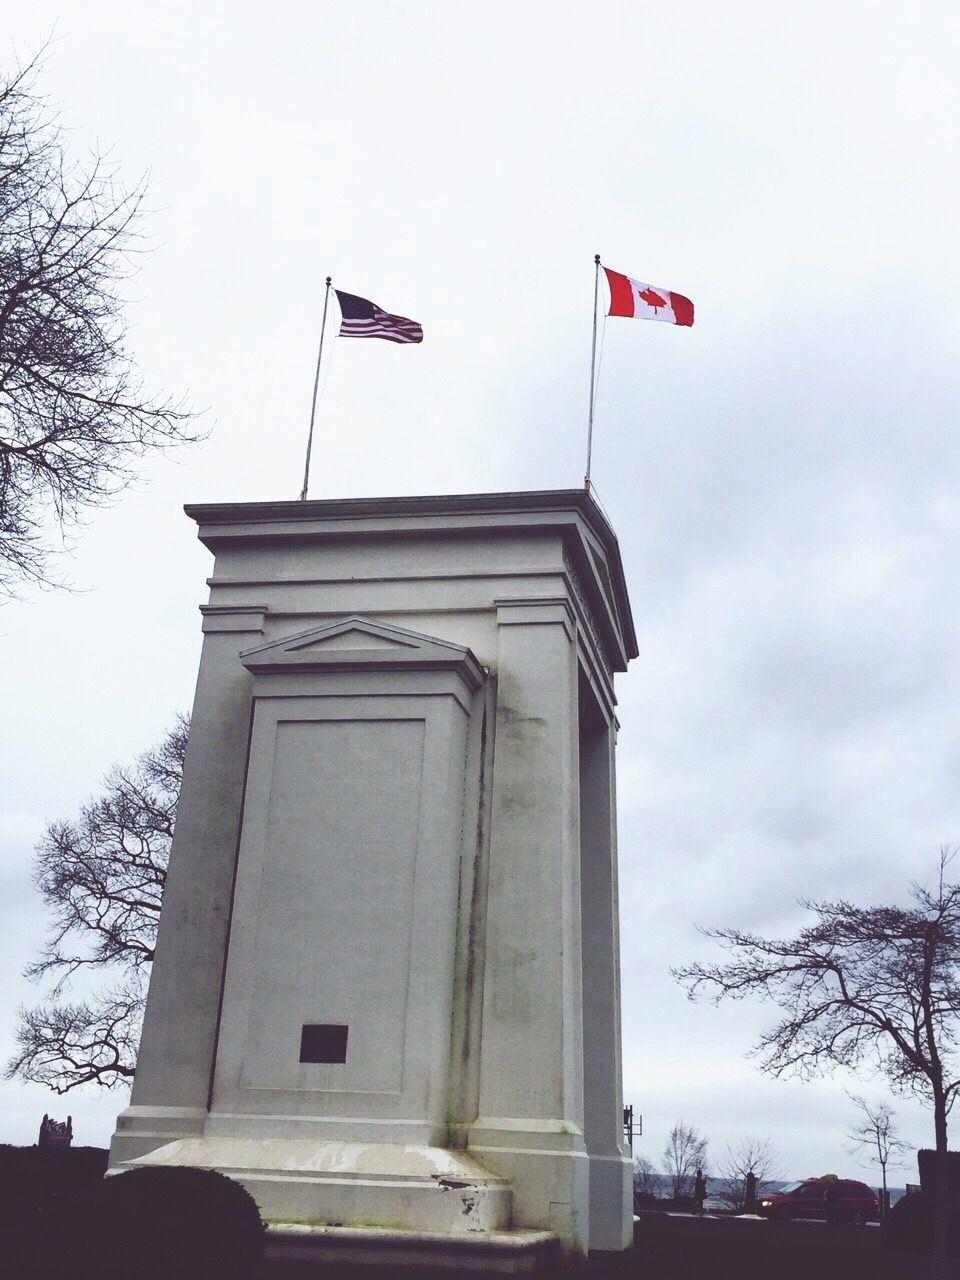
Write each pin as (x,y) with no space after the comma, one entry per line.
(854,1201)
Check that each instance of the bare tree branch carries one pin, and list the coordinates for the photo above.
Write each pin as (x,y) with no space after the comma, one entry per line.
(103,877)
(66,1045)
(685,1152)
(874,986)
(875,1131)
(750,1155)
(74,415)
(644,1177)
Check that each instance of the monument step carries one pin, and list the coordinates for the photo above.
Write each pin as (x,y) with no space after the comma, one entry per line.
(493,1252)
(352,1184)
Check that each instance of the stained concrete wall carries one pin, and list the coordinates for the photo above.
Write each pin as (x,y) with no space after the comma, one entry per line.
(469,786)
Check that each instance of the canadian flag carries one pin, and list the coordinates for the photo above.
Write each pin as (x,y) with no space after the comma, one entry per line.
(646,301)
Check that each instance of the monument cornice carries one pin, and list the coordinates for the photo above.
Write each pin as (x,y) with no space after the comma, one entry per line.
(571,512)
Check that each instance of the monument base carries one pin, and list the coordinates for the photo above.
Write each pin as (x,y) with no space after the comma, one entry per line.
(351,1184)
(495,1252)
(143,1129)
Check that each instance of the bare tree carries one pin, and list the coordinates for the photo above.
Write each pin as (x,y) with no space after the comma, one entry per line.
(874,985)
(644,1177)
(685,1152)
(103,877)
(74,416)
(875,1130)
(750,1155)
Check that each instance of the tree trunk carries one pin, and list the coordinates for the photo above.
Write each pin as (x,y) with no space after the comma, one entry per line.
(941,1189)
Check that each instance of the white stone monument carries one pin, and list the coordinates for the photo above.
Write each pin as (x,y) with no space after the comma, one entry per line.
(386,988)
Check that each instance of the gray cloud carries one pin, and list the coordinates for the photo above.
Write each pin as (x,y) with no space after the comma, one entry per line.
(782,477)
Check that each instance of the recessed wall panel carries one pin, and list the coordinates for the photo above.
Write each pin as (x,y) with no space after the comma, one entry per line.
(335,910)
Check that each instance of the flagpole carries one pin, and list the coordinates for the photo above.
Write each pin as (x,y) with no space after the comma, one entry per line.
(593,368)
(316,383)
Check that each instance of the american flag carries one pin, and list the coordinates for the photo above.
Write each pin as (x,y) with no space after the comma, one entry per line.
(364,319)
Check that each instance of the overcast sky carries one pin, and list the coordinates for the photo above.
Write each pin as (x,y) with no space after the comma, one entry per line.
(783,477)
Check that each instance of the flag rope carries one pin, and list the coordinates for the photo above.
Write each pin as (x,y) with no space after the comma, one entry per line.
(603,334)
(594,495)
(326,372)
(313,406)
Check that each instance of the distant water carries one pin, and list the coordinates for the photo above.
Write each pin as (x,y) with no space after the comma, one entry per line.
(662,1186)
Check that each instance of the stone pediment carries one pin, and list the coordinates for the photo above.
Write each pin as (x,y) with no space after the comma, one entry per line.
(360,642)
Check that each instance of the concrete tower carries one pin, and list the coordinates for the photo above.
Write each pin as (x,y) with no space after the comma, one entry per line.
(386,986)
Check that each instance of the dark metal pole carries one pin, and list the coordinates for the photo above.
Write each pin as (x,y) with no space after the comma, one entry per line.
(593,369)
(316,383)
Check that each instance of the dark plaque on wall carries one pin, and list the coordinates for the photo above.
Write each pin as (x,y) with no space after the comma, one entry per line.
(323,1042)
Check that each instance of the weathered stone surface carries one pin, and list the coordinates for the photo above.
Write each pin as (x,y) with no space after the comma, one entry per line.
(397,829)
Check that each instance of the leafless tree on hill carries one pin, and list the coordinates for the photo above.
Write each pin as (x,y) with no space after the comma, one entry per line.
(875,1131)
(103,877)
(751,1155)
(644,1177)
(685,1152)
(74,414)
(874,986)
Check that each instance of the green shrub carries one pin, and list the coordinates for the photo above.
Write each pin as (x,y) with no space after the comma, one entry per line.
(33,1178)
(910,1225)
(158,1224)
(927,1165)
(645,1200)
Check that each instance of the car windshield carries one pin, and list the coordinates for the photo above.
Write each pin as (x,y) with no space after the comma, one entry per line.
(790,1187)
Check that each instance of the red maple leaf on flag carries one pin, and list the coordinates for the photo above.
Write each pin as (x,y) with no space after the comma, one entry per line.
(651,298)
